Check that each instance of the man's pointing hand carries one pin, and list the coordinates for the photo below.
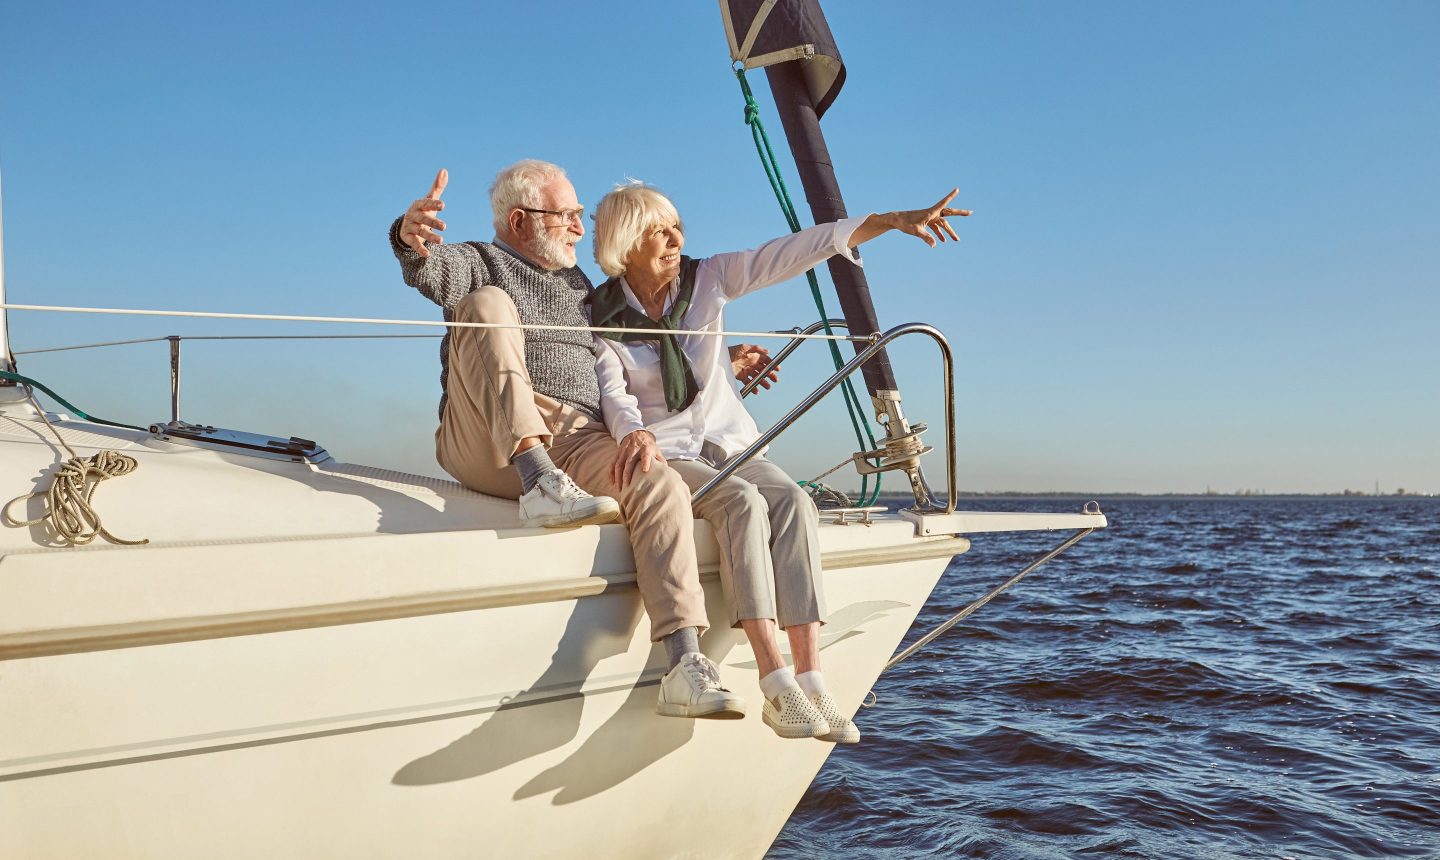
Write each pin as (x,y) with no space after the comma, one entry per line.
(419,227)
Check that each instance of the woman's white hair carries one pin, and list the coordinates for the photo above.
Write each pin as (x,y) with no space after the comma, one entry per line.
(518,187)
(623,218)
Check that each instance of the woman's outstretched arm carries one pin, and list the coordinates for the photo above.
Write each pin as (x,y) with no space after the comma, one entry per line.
(928,224)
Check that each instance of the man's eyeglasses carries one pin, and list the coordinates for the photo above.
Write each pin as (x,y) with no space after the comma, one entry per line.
(565,215)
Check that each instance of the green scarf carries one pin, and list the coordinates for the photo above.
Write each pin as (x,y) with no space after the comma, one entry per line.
(608,308)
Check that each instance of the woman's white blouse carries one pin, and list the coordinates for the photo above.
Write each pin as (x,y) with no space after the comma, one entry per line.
(631,396)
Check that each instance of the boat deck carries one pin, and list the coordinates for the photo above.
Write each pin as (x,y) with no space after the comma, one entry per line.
(241,545)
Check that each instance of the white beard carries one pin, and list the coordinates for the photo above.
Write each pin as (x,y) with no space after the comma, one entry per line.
(550,252)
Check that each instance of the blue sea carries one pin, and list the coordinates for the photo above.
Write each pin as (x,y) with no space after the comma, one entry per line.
(1206,678)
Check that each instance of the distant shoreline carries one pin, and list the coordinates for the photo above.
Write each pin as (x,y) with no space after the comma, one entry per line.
(1057,494)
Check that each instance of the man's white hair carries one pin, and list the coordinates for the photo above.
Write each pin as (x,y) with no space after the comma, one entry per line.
(623,218)
(518,187)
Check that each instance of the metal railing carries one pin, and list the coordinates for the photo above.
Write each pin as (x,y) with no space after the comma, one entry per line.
(794,344)
(873,345)
(175,340)
(876,343)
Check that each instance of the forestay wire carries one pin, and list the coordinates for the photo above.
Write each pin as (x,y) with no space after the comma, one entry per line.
(864,437)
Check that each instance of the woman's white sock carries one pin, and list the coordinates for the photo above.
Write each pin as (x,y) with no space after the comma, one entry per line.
(777,682)
(813,683)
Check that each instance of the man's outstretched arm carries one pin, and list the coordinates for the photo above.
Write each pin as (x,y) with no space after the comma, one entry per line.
(444,274)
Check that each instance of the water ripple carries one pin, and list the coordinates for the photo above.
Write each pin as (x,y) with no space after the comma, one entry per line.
(1206,678)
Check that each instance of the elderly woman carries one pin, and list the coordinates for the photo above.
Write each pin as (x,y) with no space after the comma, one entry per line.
(669,399)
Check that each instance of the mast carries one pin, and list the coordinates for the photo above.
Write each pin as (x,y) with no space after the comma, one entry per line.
(7,361)
(791,40)
(801,121)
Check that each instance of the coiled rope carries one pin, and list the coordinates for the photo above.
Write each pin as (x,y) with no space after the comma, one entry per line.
(69,507)
(864,437)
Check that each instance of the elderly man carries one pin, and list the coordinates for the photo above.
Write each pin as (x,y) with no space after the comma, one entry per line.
(520,409)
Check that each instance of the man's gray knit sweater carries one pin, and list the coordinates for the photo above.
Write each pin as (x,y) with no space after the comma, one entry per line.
(561,363)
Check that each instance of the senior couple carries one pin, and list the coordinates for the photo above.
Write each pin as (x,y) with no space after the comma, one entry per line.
(584,428)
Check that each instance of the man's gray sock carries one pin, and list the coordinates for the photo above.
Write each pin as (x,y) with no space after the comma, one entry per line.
(531,464)
(681,642)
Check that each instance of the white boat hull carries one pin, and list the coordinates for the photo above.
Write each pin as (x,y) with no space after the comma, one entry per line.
(322,660)
(522,731)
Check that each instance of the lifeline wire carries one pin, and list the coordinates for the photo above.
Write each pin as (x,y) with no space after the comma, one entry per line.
(783,335)
(863,435)
(226,337)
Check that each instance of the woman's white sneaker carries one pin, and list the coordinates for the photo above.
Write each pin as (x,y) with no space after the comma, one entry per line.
(792,715)
(693,689)
(842,729)
(556,501)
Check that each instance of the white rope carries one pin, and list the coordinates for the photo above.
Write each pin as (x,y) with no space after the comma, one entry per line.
(433,323)
(68,505)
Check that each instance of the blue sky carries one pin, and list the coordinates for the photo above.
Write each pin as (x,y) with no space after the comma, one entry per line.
(1205,248)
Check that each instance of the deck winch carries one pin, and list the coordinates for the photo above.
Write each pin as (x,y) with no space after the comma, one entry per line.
(902,450)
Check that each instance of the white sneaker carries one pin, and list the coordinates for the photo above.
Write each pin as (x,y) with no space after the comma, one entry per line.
(555,501)
(842,729)
(792,715)
(693,689)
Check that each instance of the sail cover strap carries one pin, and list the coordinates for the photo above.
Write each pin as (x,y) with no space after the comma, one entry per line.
(755,25)
(777,31)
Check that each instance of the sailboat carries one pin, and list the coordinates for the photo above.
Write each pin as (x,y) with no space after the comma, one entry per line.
(310,658)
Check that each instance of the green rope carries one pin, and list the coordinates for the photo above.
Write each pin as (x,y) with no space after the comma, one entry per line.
(15,377)
(70,499)
(863,435)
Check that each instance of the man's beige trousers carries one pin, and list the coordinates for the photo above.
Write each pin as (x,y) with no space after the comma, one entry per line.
(491,408)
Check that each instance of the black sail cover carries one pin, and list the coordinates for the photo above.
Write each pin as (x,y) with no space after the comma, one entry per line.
(792,42)
(787,30)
